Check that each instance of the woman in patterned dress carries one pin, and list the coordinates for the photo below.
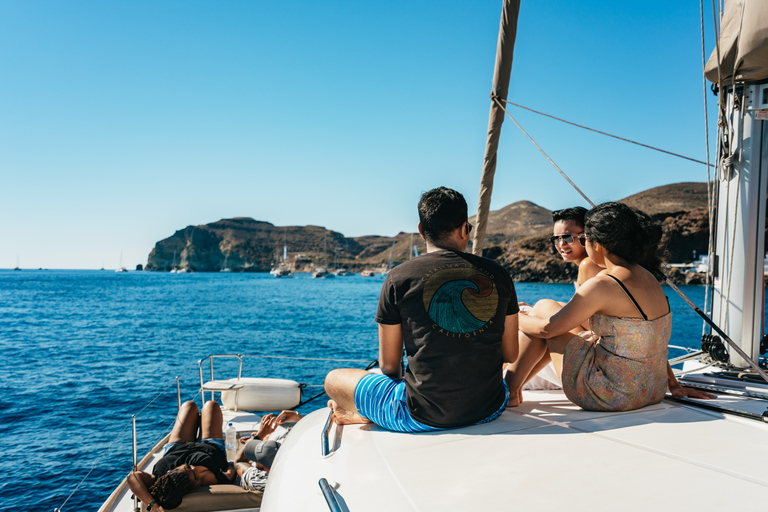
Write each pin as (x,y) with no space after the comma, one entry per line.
(621,363)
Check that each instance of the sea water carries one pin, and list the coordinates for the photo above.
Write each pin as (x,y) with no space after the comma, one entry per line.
(83,351)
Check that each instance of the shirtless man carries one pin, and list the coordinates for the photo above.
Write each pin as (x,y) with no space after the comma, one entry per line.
(456,316)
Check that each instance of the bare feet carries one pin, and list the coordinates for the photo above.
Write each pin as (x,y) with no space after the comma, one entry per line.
(344,417)
(515,401)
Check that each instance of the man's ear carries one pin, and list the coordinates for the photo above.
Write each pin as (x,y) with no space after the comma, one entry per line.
(421,233)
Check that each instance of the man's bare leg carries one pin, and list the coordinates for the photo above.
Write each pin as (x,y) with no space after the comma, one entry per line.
(340,386)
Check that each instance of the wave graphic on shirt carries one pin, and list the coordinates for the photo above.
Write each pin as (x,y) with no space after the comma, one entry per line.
(448,310)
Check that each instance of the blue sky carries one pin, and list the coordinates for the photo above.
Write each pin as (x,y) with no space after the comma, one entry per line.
(122,122)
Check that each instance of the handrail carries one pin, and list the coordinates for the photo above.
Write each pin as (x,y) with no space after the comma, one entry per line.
(329,493)
(211,357)
(325,444)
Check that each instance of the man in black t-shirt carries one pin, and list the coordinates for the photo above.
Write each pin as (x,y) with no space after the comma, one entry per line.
(456,316)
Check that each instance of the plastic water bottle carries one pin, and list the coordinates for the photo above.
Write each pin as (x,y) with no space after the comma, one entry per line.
(230,442)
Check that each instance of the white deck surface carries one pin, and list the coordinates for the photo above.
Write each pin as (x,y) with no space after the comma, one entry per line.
(544,455)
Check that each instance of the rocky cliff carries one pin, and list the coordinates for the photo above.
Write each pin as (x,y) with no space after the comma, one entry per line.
(681,208)
(518,237)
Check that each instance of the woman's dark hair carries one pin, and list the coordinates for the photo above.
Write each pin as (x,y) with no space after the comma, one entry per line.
(441,210)
(576,214)
(169,489)
(626,232)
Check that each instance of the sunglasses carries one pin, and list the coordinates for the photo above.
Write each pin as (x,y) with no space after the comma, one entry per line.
(469,227)
(568,239)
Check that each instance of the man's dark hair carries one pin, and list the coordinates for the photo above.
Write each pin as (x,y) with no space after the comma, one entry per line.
(576,214)
(441,210)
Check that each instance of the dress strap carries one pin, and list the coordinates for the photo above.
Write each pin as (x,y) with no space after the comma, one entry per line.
(629,295)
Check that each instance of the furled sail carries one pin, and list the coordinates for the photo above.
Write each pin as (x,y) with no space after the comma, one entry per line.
(743,42)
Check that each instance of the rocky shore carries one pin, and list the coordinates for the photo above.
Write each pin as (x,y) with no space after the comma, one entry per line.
(517,237)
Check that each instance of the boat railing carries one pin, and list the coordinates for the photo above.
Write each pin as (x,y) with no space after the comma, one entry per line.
(331,498)
(210,359)
(325,443)
(135,462)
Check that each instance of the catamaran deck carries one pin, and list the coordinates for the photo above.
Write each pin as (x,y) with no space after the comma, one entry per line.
(546,454)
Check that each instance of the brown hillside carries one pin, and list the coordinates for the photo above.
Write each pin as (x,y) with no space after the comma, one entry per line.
(677,197)
(517,220)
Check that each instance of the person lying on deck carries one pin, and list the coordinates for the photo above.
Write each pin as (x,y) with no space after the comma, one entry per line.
(456,316)
(622,363)
(255,457)
(188,461)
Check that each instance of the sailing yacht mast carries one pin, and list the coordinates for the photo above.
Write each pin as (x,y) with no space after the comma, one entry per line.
(739,68)
(504,52)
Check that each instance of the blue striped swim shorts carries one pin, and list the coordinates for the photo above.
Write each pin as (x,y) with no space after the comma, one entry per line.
(382,400)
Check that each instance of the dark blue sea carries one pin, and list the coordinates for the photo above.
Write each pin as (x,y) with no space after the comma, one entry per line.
(83,351)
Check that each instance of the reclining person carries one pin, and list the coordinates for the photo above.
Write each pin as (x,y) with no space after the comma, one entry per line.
(258,452)
(188,461)
(456,316)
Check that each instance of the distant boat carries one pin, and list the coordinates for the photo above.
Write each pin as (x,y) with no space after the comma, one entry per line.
(341,272)
(367,273)
(280,268)
(121,268)
(389,263)
(225,268)
(17,264)
(174,268)
(280,271)
(321,273)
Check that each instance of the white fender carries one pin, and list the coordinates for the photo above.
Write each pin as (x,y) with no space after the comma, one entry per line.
(263,394)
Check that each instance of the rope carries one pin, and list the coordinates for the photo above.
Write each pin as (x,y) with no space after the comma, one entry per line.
(608,134)
(710,195)
(668,281)
(717,329)
(542,151)
(92,468)
(736,208)
(312,359)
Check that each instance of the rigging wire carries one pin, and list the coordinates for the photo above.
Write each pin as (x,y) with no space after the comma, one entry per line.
(498,102)
(606,133)
(312,359)
(666,278)
(710,185)
(736,206)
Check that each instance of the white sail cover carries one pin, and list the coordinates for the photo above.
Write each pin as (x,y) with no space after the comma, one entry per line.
(743,42)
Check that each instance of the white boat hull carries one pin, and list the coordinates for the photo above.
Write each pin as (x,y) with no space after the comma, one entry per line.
(544,455)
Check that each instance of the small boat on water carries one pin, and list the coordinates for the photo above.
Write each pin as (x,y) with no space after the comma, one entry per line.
(322,273)
(224,267)
(280,271)
(367,273)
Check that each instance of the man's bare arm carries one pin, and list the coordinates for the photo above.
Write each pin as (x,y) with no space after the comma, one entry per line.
(391,349)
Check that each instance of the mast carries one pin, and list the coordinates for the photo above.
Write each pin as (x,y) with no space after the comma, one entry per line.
(504,53)
(739,67)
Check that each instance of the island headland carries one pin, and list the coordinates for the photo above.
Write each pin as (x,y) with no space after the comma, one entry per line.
(517,237)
